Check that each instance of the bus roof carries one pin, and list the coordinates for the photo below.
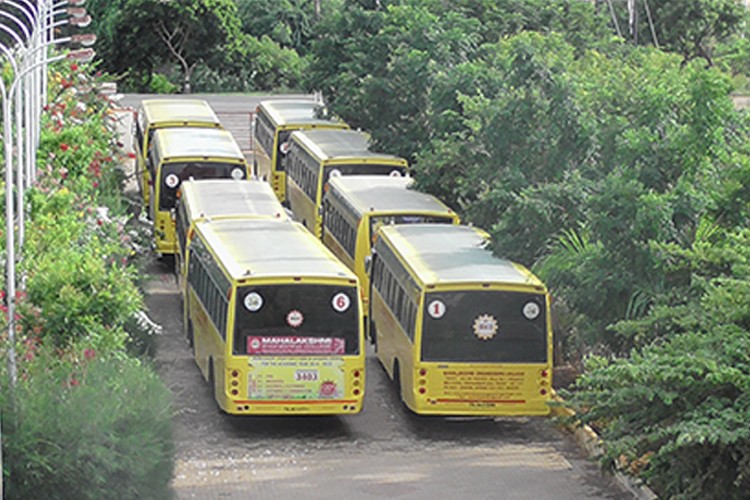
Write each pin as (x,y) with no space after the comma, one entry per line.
(297,112)
(184,142)
(442,253)
(383,193)
(341,145)
(228,197)
(266,248)
(187,111)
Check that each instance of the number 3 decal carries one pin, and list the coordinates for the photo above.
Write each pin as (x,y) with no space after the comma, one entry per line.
(341,302)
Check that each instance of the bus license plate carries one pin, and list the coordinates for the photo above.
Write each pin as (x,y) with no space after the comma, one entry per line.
(306,375)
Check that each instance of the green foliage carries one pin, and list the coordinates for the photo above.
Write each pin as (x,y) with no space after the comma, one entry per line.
(288,23)
(691,28)
(254,64)
(160,84)
(88,429)
(675,410)
(619,173)
(137,36)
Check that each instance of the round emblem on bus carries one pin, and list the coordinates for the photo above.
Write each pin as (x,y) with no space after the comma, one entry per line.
(335,173)
(253,302)
(171,181)
(237,174)
(284,148)
(395,173)
(341,302)
(485,327)
(436,309)
(531,310)
(294,318)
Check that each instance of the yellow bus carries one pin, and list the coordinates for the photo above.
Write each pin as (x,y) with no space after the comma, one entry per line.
(154,114)
(459,330)
(356,206)
(317,155)
(274,122)
(275,320)
(178,154)
(216,199)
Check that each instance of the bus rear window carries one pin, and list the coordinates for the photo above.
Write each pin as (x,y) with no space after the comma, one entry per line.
(363,169)
(485,326)
(172,175)
(283,149)
(384,220)
(296,320)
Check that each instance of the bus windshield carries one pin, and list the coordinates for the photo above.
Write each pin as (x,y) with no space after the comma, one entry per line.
(172,175)
(484,326)
(296,320)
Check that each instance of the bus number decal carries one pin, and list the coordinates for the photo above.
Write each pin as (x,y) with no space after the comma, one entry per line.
(306,375)
(253,301)
(341,302)
(171,181)
(436,309)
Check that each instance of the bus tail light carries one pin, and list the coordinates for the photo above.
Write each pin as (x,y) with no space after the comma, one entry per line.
(422,381)
(234,382)
(543,392)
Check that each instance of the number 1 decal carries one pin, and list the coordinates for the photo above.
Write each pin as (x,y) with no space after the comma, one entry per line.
(436,309)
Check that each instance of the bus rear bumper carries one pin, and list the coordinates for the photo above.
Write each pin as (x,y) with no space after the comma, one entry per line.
(310,407)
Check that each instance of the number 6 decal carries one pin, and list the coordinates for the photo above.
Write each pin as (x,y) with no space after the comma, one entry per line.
(341,302)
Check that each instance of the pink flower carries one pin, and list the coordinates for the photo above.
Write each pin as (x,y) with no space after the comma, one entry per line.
(74,67)
(64,146)
(89,354)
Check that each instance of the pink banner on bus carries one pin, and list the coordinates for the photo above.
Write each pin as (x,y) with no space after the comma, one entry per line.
(295,345)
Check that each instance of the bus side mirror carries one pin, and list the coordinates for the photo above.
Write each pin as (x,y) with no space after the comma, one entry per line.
(368,263)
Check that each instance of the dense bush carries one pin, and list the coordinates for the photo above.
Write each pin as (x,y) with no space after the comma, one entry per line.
(91,429)
(676,411)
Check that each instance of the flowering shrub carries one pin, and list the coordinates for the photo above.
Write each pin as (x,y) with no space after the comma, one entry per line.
(87,418)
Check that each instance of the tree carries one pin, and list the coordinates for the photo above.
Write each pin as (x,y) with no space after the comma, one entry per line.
(691,28)
(195,31)
(287,22)
(141,35)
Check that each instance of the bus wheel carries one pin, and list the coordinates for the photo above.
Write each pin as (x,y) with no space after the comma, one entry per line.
(191,341)
(211,379)
(397,378)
